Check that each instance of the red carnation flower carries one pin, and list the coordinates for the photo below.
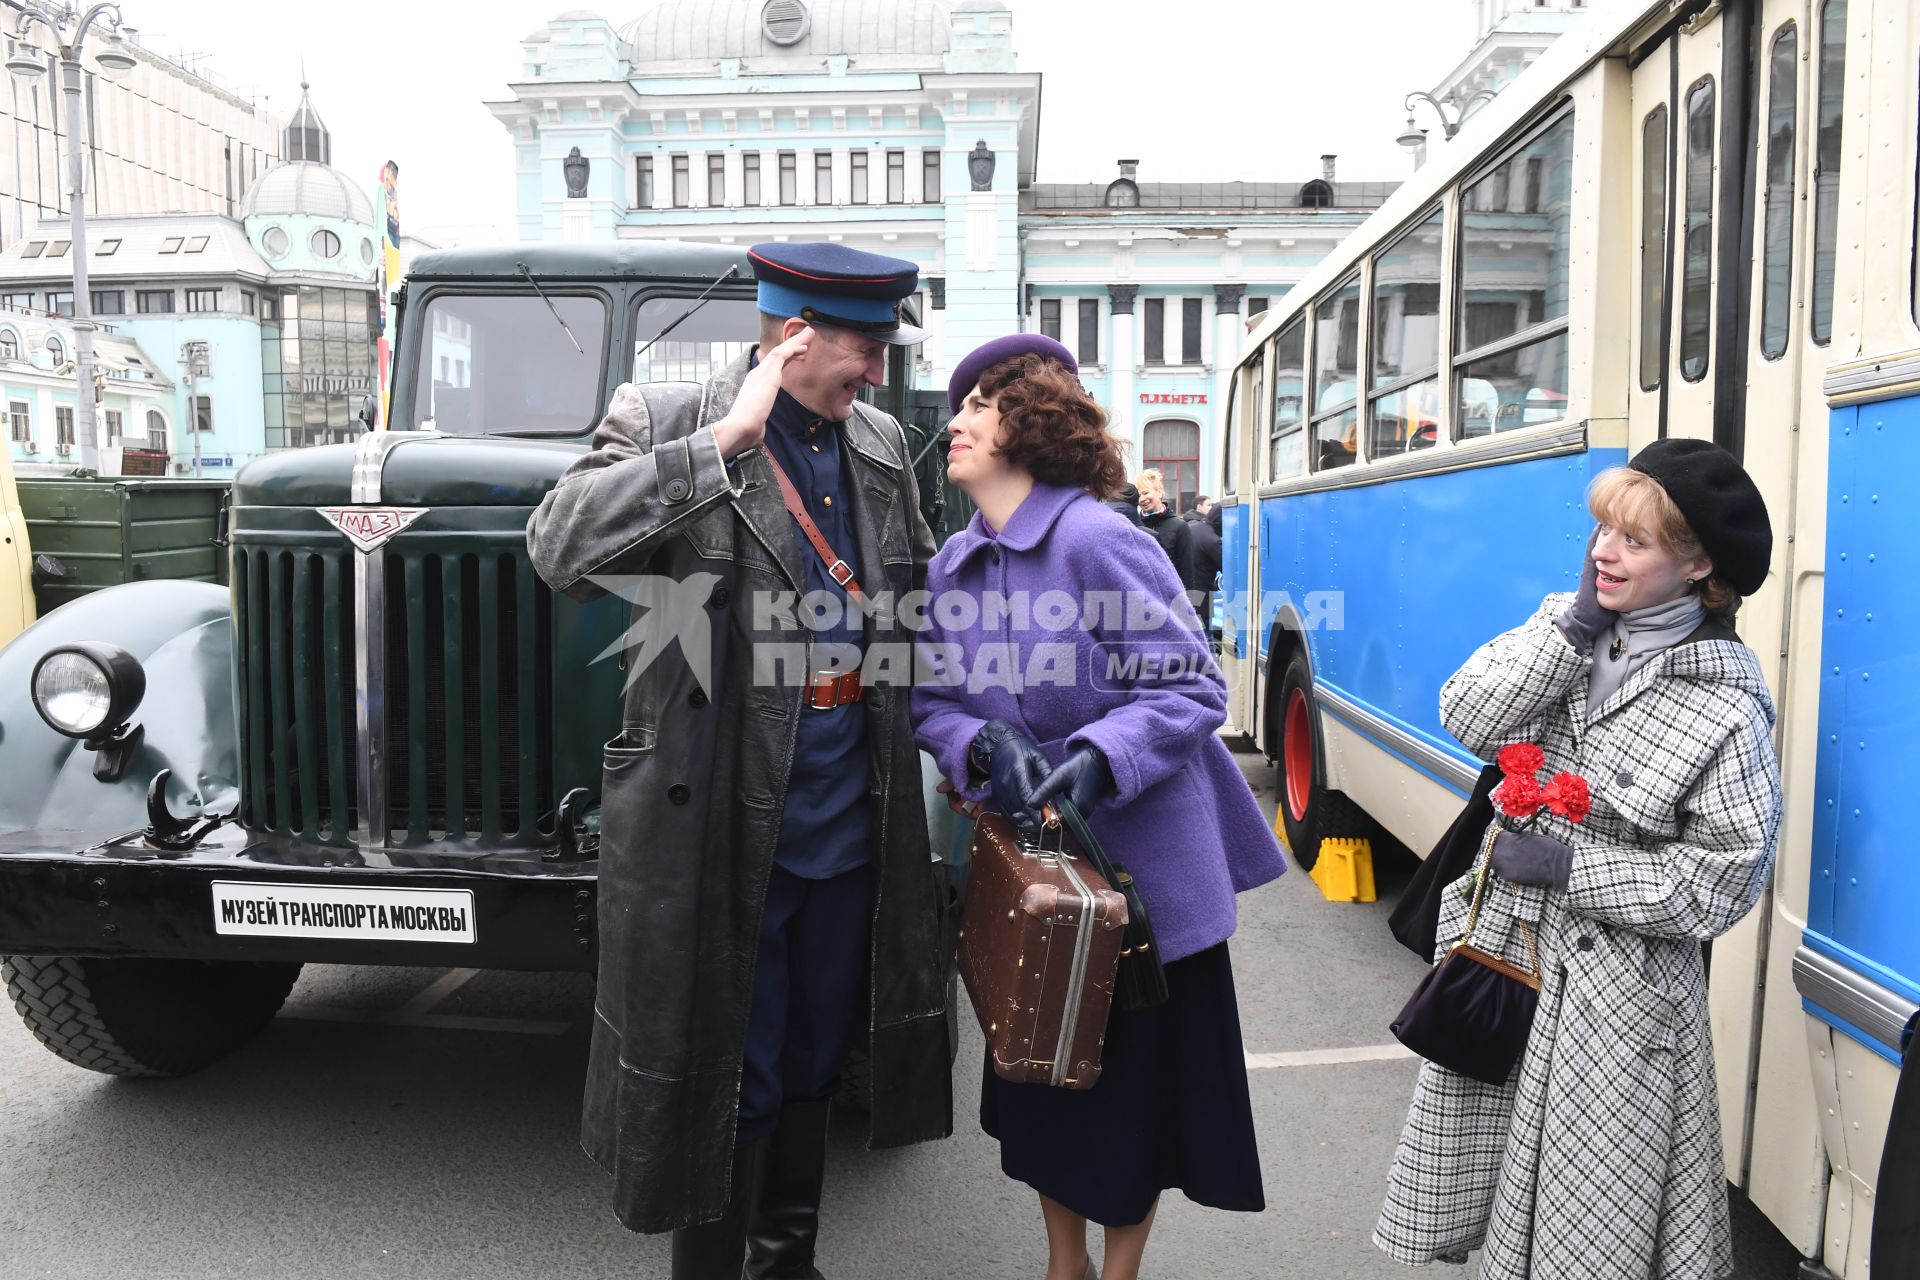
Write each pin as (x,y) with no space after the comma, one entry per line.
(1567,796)
(1520,758)
(1518,796)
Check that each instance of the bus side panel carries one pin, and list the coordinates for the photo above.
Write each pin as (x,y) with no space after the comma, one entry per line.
(1406,579)
(1237,656)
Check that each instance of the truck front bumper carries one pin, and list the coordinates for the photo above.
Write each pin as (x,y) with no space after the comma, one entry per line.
(244,895)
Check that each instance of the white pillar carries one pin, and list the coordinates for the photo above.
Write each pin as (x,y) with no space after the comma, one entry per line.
(1121,358)
(770,178)
(1227,333)
(736,180)
(877,175)
(843,175)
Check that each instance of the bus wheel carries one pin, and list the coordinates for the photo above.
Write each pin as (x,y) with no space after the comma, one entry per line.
(1309,812)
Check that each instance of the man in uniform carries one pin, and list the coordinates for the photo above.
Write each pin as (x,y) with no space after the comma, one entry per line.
(766,892)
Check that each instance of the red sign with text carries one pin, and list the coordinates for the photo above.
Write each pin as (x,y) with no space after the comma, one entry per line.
(1156,397)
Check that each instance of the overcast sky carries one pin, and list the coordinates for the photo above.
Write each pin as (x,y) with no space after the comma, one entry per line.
(1198,90)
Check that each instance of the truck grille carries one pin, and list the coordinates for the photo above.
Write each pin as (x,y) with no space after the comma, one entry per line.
(468,712)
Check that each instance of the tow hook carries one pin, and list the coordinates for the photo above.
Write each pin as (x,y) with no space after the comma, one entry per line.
(167,832)
(579,835)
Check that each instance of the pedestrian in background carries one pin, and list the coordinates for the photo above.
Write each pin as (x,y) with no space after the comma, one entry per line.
(1204,526)
(1171,532)
(1126,500)
(766,895)
(1601,1154)
(1140,757)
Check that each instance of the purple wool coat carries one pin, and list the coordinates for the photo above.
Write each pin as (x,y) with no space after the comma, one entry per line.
(1182,820)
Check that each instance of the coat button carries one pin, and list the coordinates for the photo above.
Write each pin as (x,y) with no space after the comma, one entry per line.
(698,698)
(993,554)
(720,598)
(1623,778)
(1583,943)
(676,490)
(679,793)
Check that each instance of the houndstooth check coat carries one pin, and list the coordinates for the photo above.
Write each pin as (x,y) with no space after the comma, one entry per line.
(1601,1155)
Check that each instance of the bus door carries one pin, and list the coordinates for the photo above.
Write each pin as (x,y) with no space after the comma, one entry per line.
(1239,611)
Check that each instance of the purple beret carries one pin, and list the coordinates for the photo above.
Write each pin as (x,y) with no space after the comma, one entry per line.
(983,358)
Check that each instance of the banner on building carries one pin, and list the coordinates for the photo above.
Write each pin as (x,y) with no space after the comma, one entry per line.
(388,273)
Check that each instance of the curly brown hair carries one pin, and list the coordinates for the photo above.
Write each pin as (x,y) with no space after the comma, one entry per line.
(1051,428)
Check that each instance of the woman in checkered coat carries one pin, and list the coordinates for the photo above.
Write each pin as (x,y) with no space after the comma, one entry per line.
(1601,1154)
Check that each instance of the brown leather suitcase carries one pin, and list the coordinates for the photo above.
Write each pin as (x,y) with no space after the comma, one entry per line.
(1040,939)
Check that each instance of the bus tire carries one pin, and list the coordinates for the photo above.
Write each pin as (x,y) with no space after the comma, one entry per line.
(137,1017)
(1309,812)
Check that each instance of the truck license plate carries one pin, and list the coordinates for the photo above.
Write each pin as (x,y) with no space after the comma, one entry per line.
(328,911)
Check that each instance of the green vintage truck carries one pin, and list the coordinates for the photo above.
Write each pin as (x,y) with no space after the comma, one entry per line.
(380,743)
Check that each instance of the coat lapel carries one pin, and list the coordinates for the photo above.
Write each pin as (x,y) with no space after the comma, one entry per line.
(873,477)
(758,501)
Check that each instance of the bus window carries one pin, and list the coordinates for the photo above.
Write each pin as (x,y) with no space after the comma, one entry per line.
(1826,164)
(1776,260)
(1336,370)
(1512,326)
(1404,413)
(1286,456)
(1696,274)
(1653,247)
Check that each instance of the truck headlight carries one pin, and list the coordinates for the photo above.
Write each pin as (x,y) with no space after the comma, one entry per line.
(88,690)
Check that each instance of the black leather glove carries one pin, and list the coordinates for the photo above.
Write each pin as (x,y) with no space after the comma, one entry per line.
(1084,777)
(1015,769)
(1586,618)
(1532,857)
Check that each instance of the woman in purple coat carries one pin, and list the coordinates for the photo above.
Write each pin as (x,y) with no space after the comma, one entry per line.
(1066,660)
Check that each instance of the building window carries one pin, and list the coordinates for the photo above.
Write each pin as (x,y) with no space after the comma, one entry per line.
(274,242)
(1189,331)
(19,421)
(156,430)
(58,249)
(823,177)
(1154,321)
(789,178)
(1696,272)
(643,182)
(1653,246)
(203,414)
(56,351)
(108,302)
(1257,305)
(1776,270)
(34,249)
(60,302)
(172,244)
(716,181)
(1316,195)
(1173,449)
(1826,164)
(17,301)
(115,421)
(63,435)
(859,193)
(324,243)
(1089,331)
(247,302)
(199,244)
(1050,318)
(896,177)
(153,302)
(682,182)
(9,345)
(930,191)
(750,178)
(107,249)
(205,299)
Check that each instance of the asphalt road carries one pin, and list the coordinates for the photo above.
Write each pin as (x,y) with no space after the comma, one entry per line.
(420,1124)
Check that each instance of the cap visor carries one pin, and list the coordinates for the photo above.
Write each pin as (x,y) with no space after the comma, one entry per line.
(905,336)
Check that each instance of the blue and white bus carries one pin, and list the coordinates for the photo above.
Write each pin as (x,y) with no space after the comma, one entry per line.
(1687,219)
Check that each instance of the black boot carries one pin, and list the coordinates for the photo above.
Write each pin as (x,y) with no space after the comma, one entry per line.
(716,1250)
(786,1216)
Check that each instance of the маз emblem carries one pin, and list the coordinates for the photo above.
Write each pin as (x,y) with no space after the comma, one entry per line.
(368,527)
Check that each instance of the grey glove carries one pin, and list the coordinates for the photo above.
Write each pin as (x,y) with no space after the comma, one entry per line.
(1586,619)
(1532,857)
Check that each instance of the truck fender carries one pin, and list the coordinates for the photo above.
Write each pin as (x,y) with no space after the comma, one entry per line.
(182,633)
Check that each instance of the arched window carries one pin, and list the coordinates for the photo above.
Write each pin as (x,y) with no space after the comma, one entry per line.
(1122,194)
(1173,448)
(325,244)
(1317,194)
(156,430)
(9,345)
(56,351)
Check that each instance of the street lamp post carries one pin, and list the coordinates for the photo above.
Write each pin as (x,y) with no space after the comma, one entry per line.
(68,28)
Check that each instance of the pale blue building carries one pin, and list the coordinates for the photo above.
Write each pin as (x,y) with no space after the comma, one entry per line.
(907,127)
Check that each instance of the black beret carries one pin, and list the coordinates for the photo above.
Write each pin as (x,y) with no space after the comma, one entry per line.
(1721,503)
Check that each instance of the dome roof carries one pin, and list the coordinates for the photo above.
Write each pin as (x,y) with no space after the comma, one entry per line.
(683,30)
(317,190)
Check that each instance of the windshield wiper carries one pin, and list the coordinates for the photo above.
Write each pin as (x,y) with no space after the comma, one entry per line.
(549,301)
(678,320)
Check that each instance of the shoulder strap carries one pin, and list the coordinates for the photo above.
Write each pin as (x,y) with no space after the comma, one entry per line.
(837,567)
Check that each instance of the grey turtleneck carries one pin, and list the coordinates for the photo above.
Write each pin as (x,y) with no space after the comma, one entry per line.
(1645,633)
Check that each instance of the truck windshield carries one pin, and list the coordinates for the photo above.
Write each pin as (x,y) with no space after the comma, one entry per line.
(502,362)
(718,332)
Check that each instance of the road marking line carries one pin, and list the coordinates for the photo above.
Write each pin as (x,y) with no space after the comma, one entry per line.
(435,1021)
(436,991)
(1328,1057)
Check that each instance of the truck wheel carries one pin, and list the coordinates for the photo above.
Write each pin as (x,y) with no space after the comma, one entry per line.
(1308,810)
(144,1017)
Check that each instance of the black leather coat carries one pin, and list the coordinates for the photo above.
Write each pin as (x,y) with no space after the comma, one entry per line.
(695,785)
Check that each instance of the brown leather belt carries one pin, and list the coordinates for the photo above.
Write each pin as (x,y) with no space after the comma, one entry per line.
(827,690)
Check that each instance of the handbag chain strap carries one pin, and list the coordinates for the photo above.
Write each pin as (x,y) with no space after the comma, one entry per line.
(1483,871)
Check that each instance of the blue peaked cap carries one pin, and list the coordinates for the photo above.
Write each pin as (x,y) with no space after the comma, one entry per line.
(832,284)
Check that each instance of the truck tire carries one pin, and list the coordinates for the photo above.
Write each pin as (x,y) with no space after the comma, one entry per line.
(1309,811)
(127,1017)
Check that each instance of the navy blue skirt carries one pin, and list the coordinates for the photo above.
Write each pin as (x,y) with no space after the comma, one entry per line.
(1170,1110)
